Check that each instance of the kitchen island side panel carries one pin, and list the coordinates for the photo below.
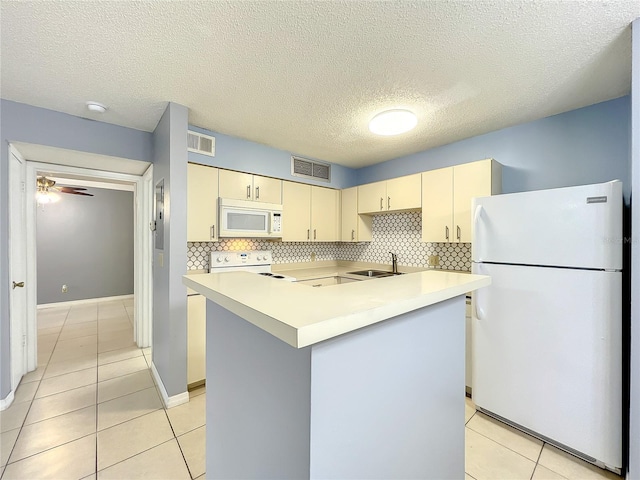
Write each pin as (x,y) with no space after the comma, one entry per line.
(388,399)
(258,402)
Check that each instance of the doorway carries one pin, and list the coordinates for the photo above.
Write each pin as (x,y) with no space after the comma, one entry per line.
(141,185)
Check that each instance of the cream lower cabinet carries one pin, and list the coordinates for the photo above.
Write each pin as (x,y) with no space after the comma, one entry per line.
(309,213)
(202,203)
(354,227)
(196,333)
(395,195)
(245,186)
(447,195)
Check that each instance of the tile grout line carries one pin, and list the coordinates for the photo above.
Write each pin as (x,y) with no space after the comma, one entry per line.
(32,399)
(538,460)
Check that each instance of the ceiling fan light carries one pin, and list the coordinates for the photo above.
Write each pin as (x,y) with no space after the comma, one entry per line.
(44,197)
(393,122)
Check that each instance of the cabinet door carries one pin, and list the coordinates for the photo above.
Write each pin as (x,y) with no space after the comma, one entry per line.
(354,227)
(372,197)
(349,214)
(268,190)
(437,206)
(202,203)
(403,193)
(196,320)
(236,185)
(296,212)
(324,214)
(470,180)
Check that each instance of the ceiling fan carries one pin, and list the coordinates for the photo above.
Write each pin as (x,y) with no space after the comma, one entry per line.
(46,190)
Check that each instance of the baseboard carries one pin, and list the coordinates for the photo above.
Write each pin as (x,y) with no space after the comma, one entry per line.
(84,301)
(7,401)
(169,402)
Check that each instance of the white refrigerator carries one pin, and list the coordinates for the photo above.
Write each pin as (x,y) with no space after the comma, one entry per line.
(547,333)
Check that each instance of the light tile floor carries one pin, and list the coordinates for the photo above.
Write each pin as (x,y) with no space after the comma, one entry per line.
(91,411)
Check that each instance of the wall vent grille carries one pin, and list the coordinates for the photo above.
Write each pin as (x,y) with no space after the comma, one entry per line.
(200,143)
(301,167)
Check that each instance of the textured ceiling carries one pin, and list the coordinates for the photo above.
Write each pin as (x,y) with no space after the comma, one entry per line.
(307,76)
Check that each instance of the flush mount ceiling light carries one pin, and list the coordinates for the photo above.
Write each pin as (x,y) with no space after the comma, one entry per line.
(96,107)
(393,122)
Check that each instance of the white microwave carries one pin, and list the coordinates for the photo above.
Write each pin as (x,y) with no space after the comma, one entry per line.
(244,218)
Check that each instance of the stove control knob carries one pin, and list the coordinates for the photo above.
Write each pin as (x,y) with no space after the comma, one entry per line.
(219,259)
(226,259)
(258,258)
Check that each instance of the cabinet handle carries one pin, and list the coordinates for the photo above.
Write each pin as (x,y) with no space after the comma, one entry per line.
(257,193)
(308,234)
(314,233)
(458,235)
(353,234)
(213,231)
(248,191)
(446,233)
(388,203)
(381,200)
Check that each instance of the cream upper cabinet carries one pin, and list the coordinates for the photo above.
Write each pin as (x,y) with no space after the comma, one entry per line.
(296,212)
(447,194)
(371,197)
(309,213)
(245,186)
(397,194)
(437,205)
(267,189)
(202,201)
(354,227)
(404,193)
(324,214)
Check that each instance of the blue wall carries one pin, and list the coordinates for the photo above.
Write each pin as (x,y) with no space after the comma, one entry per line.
(169,294)
(25,123)
(588,145)
(238,154)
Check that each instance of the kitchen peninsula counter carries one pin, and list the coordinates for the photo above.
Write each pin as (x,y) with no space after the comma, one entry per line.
(302,316)
(349,381)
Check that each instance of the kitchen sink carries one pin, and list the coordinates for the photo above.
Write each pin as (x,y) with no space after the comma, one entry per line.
(374,273)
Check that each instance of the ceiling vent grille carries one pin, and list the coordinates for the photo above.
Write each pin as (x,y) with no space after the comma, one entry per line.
(301,167)
(200,143)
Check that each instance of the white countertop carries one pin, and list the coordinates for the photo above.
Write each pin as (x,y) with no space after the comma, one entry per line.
(301,315)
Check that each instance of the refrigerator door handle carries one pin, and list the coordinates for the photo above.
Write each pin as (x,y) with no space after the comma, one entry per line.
(476,215)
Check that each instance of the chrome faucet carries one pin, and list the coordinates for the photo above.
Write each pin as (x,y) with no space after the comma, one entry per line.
(394,262)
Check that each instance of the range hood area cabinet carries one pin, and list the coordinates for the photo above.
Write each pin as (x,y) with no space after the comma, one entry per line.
(202,201)
(394,195)
(355,227)
(446,198)
(245,186)
(309,213)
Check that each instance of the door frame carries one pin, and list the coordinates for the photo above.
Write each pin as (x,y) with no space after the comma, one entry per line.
(143,277)
(18,330)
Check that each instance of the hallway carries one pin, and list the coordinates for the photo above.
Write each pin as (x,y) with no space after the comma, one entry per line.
(92,408)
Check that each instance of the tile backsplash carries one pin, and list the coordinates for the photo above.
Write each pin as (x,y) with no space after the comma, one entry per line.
(399,233)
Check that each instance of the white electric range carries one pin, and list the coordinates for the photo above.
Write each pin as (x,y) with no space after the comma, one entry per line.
(252,261)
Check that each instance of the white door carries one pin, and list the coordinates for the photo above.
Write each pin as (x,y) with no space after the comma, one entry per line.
(547,354)
(17,266)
